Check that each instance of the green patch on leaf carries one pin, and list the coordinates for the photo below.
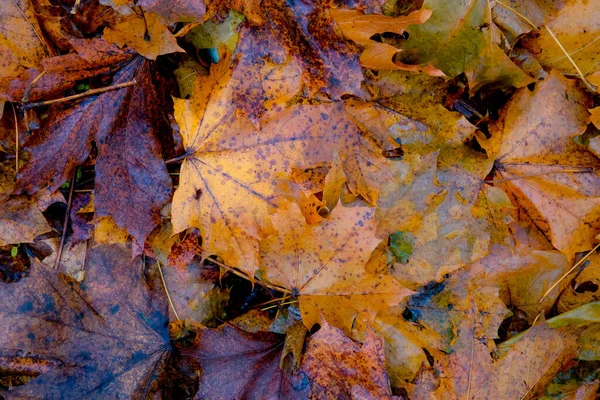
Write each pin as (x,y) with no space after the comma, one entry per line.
(401,245)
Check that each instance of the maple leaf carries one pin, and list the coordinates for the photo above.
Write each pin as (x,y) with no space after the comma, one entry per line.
(132,183)
(228,181)
(106,336)
(541,166)
(523,276)
(360,28)
(434,196)
(323,265)
(584,287)
(459,38)
(196,295)
(527,365)
(170,11)
(237,364)
(340,368)
(143,33)
(301,35)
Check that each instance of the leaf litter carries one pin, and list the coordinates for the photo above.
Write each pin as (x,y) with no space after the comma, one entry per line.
(246,199)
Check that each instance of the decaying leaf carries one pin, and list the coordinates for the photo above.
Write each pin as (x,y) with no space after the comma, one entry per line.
(132,181)
(339,368)
(21,219)
(22,44)
(360,28)
(323,265)
(577,30)
(459,38)
(144,33)
(238,364)
(107,336)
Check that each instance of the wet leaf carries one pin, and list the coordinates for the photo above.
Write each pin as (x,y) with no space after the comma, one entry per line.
(108,335)
(237,364)
(131,179)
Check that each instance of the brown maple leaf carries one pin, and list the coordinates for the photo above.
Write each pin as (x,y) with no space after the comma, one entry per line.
(132,183)
(340,368)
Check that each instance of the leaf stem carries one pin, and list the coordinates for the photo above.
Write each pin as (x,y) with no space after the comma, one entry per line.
(162,278)
(80,95)
(589,253)
(25,97)
(243,275)
(175,160)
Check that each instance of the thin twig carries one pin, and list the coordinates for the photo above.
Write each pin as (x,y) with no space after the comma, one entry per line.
(242,275)
(558,171)
(162,278)
(25,97)
(589,253)
(176,159)
(588,84)
(279,305)
(274,300)
(80,95)
(16,140)
(66,222)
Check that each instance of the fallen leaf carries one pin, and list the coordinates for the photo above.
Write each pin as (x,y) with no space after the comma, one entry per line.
(577,30)
(583,288)
(21,220)
(184,251)
(143,33)
(175,11)
(108,335)
(132,183)
(224,189)
(539,164)
(459,38)
(237,364)
(360,28)
(21,40)
(93,57)
(322,265)
(525,365)
(523,276)
(339,368)
(196,295)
